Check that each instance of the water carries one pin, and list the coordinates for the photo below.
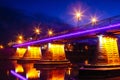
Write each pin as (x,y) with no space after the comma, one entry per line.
(27,70)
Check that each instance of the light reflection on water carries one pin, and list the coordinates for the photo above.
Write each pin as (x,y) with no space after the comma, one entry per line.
(43,73)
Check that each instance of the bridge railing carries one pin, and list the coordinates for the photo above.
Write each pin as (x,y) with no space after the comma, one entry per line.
(101,23)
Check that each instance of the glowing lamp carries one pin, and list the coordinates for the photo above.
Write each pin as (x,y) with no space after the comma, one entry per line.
(20,37)
(19,41)
(93,20)
(1,47)
(37,30)
(50,32)
(78,15)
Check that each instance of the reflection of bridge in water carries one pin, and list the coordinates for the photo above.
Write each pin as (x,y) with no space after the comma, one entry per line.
(94,45)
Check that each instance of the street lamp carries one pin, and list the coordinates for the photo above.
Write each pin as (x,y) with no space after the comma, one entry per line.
(50,32)
(78,16)
(20,39)
(37,30)
(93,20)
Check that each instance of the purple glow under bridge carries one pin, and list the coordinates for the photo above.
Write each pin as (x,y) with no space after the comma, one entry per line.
(72,35)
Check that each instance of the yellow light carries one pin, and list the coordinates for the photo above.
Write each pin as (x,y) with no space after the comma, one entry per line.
(50,32)
(108,46)
(93,19)
(19,41)
(68,71)
(1,47)
(57,51)
(19,68)
(33,52)
(33,74)
(57,75)
(78,15)
(20,52)
(20,37)
(37,30)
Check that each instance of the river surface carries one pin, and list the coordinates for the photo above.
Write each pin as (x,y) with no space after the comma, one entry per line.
(28,72)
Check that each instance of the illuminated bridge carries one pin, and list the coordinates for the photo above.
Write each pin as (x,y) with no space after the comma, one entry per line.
(102,36)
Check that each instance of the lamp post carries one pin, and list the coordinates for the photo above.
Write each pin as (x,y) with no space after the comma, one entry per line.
(37,32)
(50,32)
(93,20)
(78,16)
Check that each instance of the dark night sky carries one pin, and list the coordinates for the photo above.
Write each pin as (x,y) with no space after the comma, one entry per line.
(60,9)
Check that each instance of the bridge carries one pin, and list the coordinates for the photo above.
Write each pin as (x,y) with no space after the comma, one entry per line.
(105,33)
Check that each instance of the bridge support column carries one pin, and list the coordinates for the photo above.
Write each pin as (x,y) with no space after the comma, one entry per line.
(107,50)
(54,52)
(19,53)
(32,53)
(54,56)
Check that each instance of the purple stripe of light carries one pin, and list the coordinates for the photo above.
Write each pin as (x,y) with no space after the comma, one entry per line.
(68,35)
(18,75)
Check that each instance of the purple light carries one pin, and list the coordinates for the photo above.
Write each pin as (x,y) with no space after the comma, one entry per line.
(18,75)
(68,35)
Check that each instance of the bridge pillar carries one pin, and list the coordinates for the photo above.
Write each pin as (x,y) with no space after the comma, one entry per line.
(107,50)
(33,52)
(19,52)
(52,74)
(54,52)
